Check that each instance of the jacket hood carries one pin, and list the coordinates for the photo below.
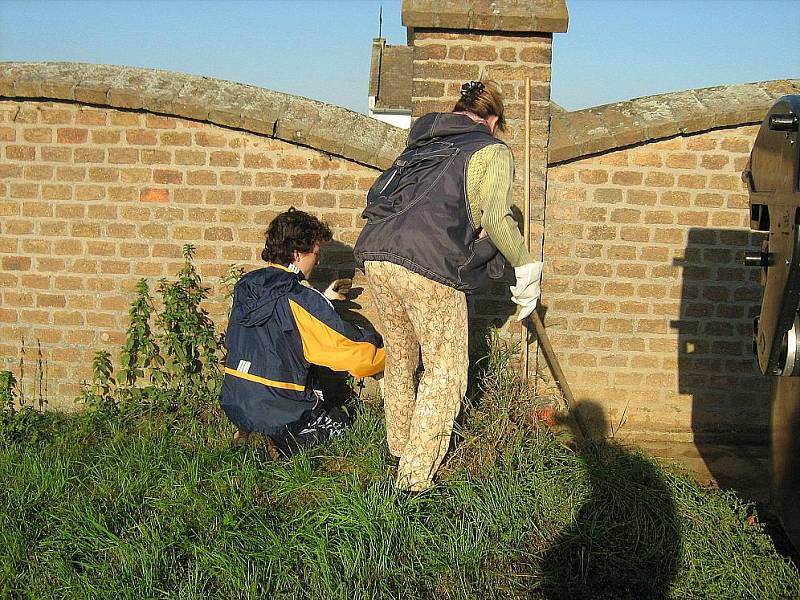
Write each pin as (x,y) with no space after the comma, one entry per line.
(434,125)
(258,291)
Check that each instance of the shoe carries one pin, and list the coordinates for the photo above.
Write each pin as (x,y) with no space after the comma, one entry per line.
(240,438)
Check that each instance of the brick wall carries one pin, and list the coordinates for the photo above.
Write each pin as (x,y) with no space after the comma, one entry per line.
(646,220)
(650,306)
(92,199)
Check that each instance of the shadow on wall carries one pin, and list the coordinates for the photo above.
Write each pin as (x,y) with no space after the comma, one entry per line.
(716,365)
(337,262)
(490,309)
(624,541)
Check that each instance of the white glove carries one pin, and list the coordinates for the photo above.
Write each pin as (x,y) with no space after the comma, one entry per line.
(338,289)
(527,291)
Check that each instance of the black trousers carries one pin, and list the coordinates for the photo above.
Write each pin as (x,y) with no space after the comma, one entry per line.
(315,427)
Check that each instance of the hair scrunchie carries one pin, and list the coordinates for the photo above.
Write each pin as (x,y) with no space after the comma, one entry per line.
(472,89)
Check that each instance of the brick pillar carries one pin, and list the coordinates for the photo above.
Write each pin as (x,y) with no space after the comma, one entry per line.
(506,40)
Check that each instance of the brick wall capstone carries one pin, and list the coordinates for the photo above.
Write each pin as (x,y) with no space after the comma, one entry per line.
(293,119)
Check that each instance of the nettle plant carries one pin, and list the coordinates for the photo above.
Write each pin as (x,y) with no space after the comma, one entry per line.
(172,354)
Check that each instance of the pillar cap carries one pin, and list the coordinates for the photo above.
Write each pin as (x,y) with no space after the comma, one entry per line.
(531,16)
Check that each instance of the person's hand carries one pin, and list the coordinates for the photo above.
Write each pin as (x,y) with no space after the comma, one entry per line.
(338,289)
(527,290)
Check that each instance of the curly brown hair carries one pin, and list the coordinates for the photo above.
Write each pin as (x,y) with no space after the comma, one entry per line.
(293,231)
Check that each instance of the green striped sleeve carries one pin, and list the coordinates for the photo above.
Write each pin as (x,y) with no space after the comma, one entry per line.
(490,173)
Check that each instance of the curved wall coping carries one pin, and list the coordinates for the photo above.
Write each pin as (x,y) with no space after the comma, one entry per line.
(294,119)
(365,140)
(611,126)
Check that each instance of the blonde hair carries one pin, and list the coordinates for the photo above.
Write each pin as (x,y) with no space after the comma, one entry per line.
(484,99)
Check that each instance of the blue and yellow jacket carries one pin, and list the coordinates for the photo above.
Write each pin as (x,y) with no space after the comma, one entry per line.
(278,328)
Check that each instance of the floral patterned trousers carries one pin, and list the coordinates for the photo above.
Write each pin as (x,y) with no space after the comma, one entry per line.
(416,313)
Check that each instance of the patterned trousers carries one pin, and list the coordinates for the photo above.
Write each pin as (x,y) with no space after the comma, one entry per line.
(417,313)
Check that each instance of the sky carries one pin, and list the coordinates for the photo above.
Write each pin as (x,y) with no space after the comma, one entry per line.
(614,49)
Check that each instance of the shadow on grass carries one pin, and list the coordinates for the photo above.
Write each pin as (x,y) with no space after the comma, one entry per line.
(625,540)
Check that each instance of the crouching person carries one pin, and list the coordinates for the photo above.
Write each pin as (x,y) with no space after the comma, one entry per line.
(278,330)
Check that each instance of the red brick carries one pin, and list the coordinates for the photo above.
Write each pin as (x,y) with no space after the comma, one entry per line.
(72,136)
(51,300)
(116,267)
(155,157)
(218,234)
(91,117)
(321,199)
(675,199)
(37,209)
(647,159)
(250,197)
(55,116)
(593,176)
(220,197)
(239,178)
(125,119)
(714,161)
(188,196)
(271,179)
(158,122)
(536,54)
(153,230)
(190,157)
(16,263)
(682,161)
(658,179)
(167,176)
(693,218)
(89,155)
(693,182)
(627,178)
(89,193)
(16,228)
(141,137)
(702,143)
(56,192)
(635,234)
(176,138)
(201,178)
(20,152)
(481,53)
(605,196)
(123,156)
(106,136)
(212,140)
(97,248)
(56,154)
(36,135)
(8,171)
(154,195)
(38,172)
(736,145)
(224,158)
(103,174)
(626,215)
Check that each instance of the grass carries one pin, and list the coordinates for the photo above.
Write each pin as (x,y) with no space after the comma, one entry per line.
(136,503)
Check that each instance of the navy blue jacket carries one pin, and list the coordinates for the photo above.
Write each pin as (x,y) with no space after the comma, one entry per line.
(277,329)
(418,215)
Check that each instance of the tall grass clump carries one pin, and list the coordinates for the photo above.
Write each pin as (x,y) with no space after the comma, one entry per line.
(137,498)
